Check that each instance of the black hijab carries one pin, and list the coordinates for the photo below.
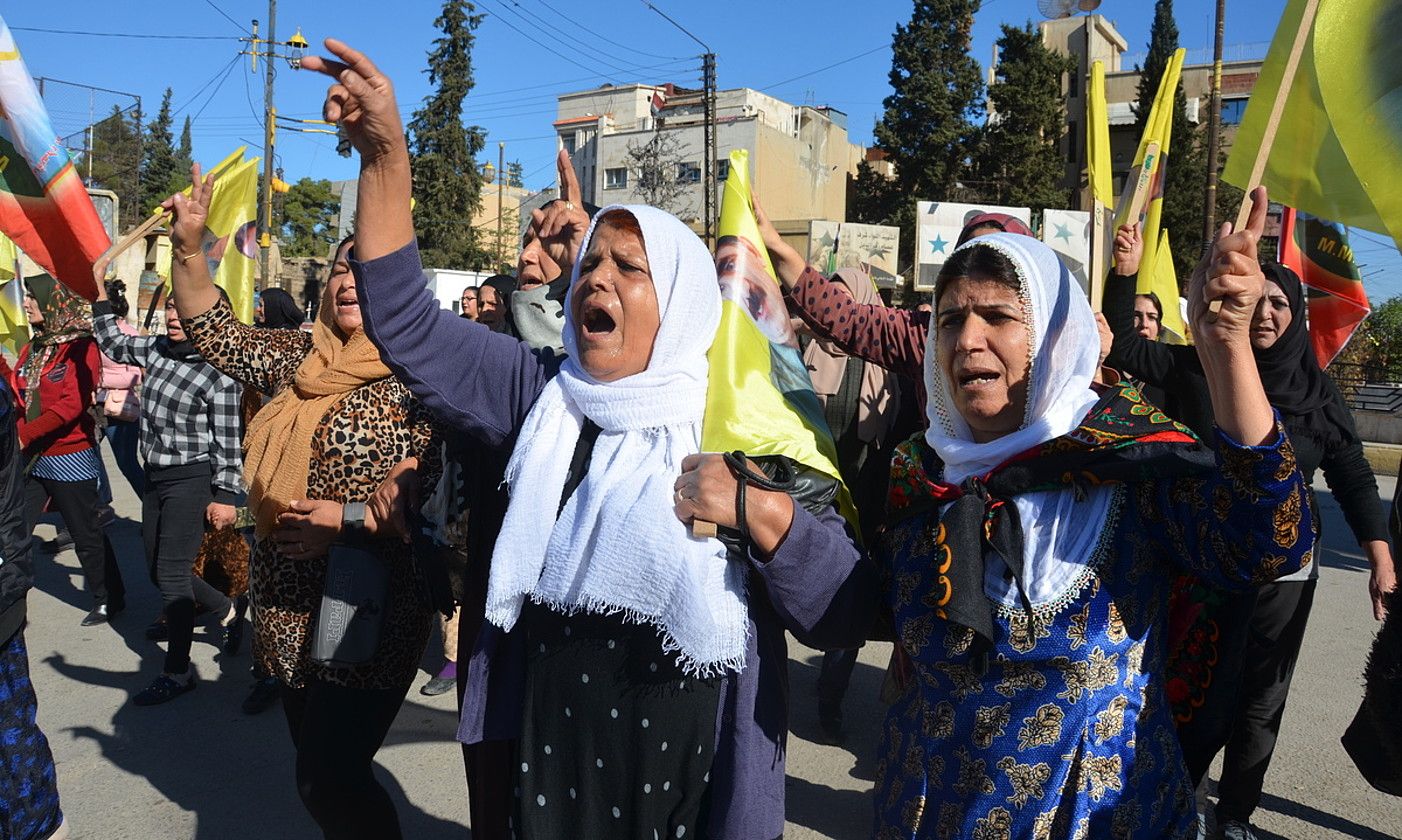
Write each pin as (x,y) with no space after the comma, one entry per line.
(280,311)
(504,286)
(1307,399)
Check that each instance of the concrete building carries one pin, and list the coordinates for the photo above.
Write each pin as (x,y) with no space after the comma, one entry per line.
(800,155)
(1090,38)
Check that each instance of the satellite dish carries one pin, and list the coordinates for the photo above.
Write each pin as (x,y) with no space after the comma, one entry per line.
(1057,9)
(1089,5)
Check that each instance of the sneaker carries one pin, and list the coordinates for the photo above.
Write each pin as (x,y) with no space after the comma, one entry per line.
(445,681)
(231,636)
(97,616)
(163,689)
(106,516)
(60,543)
(1235,830)
(265,692)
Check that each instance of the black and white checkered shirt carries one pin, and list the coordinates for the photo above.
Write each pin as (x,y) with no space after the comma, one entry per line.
(189,410)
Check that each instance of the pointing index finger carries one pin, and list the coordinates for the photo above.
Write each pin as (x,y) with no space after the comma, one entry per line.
(569,182)
(353,58)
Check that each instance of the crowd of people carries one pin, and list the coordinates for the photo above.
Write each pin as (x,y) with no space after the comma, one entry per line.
(1054,510)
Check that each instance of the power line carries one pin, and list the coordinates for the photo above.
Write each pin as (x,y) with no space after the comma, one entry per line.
(521,12)
(214,92)
(603,37)
(827,67)
(241,27)
(551,50)
(141,35)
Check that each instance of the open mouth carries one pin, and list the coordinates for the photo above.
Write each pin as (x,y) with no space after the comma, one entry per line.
(977,379)
(596,322)
(347,301)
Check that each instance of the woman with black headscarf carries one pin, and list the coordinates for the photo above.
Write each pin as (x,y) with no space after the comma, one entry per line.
(278,311)
(1254,638)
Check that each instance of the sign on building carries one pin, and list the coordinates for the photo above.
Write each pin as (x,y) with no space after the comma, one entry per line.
(872,248)
(937,228)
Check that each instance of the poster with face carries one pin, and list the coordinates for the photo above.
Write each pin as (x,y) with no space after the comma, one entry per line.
(745,281)
(1068,233)
(937,228)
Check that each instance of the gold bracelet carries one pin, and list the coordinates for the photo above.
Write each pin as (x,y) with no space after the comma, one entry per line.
(184,258)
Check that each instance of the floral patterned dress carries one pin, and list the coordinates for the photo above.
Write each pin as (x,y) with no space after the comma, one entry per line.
(361,437)
(1065,732)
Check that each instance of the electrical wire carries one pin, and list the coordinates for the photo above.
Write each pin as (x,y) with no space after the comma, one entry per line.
(827,67)
(521,12)
(244,29)
(551,50)
(605,38)
(140,35)
(217,75)
(213,93)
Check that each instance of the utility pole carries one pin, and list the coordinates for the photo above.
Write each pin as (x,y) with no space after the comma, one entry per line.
(267,48)
(501,205)
(1214,129)
(708,87)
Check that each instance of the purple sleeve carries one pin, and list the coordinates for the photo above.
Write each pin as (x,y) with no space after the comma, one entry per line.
(473,379)
(821,583)
(883,335)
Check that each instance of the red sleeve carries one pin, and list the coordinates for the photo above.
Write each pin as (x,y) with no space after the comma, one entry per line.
(883,335)
(64,400)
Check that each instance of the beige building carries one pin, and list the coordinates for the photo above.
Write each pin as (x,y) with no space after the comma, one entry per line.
(799,155)
(1095,36)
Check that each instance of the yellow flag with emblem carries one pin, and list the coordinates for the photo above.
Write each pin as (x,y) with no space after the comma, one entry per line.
(760,400)
(231,241)
(1157,130)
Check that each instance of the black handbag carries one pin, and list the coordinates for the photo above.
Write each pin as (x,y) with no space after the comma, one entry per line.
(353,605)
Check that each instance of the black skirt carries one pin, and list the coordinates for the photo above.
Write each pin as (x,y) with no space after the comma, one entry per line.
(616,740)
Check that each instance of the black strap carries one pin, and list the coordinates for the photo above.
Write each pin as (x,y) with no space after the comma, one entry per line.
(739,464)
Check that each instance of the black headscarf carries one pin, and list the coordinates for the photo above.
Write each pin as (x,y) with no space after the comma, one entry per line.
(505,286)
(1305,396)
(280,311)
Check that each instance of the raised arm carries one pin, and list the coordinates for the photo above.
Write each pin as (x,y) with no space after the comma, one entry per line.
(1151,362)
(478,381)
(886,336)
(117,345)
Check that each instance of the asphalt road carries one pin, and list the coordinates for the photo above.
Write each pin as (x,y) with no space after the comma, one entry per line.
(199,769)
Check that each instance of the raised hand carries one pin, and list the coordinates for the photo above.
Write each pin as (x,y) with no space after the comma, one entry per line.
(788,263)
(1129,249)
(361,101)
(1228,283)
(561,225)
(191,212)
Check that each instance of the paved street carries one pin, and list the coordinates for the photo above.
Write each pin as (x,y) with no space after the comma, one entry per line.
(199,768)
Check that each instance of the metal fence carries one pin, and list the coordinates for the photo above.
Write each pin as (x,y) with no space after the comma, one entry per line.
(77,112)
(1371,387)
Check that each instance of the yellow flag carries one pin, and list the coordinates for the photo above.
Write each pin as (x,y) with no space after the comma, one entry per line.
(1160,278)
(1098,139)
(1339,146)
(14,325)
(231,244)
(760,400)
(1158,129)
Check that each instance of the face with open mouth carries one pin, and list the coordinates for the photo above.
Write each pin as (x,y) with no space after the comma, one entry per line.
(343,298)
(1272,317)
(982,346)
(614,303)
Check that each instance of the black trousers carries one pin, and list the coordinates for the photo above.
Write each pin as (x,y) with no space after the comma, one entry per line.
(76,502)
(173,526)
(836,674)
(1272,648)
(337,732)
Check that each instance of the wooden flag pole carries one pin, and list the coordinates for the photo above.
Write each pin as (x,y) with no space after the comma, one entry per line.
(1098,266)
(1132,203)
(137,234)
(1263,152)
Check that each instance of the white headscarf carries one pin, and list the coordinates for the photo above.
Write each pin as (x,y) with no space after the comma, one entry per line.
(1059,533)
(617,546)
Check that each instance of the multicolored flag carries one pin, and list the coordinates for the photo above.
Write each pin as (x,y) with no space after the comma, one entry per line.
(44,205)
(1339,144)
(1158,129)
(1319,252)
(230,237)
(760,400)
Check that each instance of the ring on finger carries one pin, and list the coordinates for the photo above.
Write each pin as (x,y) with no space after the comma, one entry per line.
(569,205)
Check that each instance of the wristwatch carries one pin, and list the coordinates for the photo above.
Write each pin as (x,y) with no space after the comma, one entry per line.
(353,520)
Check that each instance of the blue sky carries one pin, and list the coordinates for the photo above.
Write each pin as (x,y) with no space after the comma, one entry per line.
(528,51)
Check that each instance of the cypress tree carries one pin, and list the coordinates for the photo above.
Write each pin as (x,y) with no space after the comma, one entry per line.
(1020,161)
(447,184)
(158,164)
(116,162)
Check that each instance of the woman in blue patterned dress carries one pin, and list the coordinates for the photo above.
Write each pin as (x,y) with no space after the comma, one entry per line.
(1032,538)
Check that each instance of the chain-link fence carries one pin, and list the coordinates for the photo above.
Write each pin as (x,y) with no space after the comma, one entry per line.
(101,129)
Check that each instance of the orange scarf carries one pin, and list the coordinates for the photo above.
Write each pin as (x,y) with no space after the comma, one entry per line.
(278,446)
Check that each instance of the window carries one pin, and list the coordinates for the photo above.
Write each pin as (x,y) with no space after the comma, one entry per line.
(1073,82)
(616,179)
(1233,110)
(722,169)
(569,142)
(1072,149)
(688,173)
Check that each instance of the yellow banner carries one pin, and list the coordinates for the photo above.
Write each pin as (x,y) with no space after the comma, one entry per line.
(1098,139)
(1158,129)
(1160,278)
(231,242)
(14,325)
(760,399)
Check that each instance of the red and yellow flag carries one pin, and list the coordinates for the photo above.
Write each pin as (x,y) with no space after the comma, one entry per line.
(1319,252)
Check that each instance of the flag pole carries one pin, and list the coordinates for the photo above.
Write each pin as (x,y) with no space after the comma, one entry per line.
(99,269)
(1263,153)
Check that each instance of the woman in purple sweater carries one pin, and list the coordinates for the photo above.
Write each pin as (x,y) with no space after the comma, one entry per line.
(641,669)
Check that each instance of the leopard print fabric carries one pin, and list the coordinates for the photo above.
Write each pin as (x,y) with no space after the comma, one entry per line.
(361,437)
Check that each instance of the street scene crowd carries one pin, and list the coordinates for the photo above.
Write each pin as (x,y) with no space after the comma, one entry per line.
(1095,551)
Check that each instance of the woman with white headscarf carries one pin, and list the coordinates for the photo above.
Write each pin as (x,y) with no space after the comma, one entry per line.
(1032,538)
(641,669)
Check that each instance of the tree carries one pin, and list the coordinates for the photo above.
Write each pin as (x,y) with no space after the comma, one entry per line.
(514,177)
(309,211)
(184,158)
(927,126)
(1377,345)
(158,163)
(1020,160)
(655,167)
(1186,173)
(870,196)
(116,162)
(447,185)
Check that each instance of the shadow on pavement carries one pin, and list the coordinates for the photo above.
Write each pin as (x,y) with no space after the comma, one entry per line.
(1316,817)
(829,812)
(863,711)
